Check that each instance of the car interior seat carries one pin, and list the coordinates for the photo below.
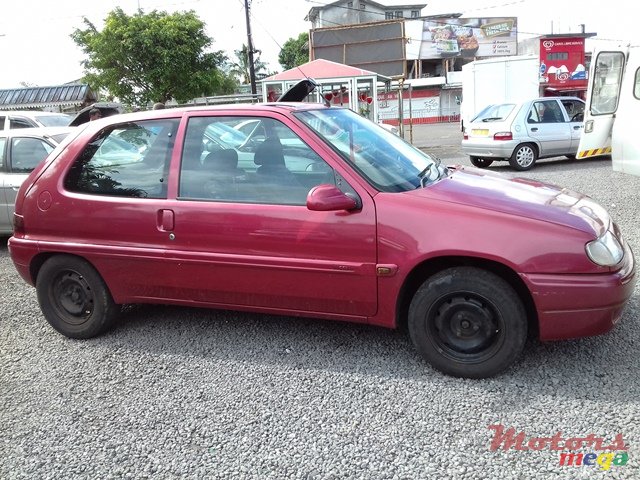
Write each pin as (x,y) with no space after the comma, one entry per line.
(269,157)
(223,162)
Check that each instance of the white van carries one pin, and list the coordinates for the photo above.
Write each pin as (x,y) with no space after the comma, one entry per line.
(613,107)
(32,119)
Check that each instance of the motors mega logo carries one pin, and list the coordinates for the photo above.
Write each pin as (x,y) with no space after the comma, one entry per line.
(612,454)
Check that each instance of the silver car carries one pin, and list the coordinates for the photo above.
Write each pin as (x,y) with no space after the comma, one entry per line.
(21,150)
(521,133)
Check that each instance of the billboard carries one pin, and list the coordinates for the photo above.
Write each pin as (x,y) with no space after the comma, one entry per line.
(377,47)
(462,37)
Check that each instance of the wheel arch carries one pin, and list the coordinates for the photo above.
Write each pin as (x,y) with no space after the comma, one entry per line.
(430,267)
(39,260)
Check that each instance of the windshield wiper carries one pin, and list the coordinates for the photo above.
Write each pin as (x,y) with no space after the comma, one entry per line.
(425,173)
(491,119)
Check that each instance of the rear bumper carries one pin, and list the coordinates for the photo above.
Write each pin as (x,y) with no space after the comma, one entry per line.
(600,299)
(488,148)
(22,253)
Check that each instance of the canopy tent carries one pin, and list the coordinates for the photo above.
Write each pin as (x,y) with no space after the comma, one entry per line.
(337,83)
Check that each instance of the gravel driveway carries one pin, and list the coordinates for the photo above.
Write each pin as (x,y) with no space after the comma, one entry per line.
(189,393)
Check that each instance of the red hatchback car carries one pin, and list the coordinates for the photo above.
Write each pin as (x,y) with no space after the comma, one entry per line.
(315,212)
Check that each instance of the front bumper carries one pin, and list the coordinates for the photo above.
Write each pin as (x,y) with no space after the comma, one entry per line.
(573,306)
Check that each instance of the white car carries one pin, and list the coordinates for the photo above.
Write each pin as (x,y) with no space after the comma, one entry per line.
(521,133)
(32,119)
(21,150)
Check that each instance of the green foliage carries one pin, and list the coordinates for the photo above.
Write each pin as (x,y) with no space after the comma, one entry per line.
(240,68)
(152,57)
(295,51)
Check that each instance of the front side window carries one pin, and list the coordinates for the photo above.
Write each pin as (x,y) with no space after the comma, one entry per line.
(575,110)
(248,160)
(27,153)
(385,160)
(129,160)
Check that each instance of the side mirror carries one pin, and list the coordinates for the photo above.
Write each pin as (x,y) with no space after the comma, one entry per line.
(325,198)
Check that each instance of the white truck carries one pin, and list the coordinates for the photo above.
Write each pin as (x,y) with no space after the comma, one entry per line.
(613,107)
(498,80)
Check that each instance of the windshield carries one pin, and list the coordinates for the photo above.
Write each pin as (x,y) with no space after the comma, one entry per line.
(494,113)
(385,160)
(61,120)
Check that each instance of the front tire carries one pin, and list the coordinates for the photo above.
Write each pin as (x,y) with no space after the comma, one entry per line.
(480,162)
(468,322)
(73,297)
(524,157)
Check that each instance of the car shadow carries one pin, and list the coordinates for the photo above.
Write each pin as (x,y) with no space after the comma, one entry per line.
(560,164)
(595,367)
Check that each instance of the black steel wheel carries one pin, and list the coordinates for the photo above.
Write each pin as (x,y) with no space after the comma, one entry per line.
(468,322)
(73,297)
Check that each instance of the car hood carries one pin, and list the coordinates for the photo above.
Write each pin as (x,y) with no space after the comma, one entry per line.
(520,197)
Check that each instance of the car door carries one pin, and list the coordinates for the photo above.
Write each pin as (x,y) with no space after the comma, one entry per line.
(112,206)
(547,125)
(243,236)
(574,110)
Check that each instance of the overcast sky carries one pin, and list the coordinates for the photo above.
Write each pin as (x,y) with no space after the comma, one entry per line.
(36,48)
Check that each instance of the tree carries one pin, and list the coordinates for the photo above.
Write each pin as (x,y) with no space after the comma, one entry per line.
(240,69)
(295,51)
(153,57)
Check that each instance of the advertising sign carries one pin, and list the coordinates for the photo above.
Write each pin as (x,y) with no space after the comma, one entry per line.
(562,62)
(463,37)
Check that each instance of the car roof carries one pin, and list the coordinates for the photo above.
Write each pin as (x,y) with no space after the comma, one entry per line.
(32,113)
(36,131)
(232,108)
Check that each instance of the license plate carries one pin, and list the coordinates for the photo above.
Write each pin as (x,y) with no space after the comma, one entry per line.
(480,132)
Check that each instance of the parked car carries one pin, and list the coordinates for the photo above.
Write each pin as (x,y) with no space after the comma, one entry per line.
(32,119)
(524,132)
(363,227)
(21,150)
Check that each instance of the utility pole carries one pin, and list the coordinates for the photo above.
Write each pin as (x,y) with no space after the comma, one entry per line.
(252,71)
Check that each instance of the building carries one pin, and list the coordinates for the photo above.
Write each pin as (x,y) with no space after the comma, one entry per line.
(67,98)
(350,12)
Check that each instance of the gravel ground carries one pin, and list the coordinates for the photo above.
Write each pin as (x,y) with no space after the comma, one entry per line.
(189,393)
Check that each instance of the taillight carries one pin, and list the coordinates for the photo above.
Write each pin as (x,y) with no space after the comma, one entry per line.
(465,136)
(18,224)
(503,136)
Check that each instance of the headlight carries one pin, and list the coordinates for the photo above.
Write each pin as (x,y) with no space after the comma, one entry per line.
(605,250)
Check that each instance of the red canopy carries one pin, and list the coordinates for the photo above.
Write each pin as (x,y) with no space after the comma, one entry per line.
(321,69)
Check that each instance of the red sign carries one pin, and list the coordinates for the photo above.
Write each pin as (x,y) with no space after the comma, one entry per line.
(562,62)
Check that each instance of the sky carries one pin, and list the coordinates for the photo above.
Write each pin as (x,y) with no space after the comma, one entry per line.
(36,47)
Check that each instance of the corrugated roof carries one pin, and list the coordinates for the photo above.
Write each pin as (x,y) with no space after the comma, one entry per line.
(72,94)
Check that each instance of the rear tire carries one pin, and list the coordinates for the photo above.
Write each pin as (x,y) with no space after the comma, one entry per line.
(524,157)
(480,162)
(73,297)
(468,322)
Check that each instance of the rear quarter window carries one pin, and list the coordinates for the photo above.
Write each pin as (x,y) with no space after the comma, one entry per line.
(130,160)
